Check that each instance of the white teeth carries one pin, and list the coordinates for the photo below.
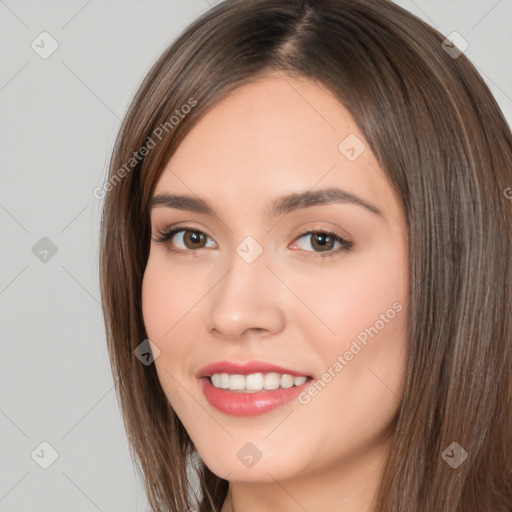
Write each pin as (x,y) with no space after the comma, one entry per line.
(287,381)
(224,380)
(216,380)
(299,380)
(271,381)
(236,382)
(255,381)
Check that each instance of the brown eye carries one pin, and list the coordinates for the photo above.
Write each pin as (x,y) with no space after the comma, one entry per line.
(194,239)
(322,242)
(185,239)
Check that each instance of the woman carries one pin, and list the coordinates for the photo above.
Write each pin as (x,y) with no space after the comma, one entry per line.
(305,266)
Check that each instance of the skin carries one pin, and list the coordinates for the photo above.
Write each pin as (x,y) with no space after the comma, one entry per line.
(266,139)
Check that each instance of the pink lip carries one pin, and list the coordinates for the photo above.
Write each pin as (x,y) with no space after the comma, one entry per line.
(244,369)
(247,404)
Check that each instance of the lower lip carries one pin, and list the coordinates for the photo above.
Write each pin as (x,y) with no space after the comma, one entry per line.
(249,404)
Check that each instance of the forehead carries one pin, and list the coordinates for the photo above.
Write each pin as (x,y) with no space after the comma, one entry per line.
(274,136)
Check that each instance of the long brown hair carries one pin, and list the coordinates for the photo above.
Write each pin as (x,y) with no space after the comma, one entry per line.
(446,148)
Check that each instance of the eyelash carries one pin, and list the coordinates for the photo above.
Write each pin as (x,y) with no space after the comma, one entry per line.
(346,246)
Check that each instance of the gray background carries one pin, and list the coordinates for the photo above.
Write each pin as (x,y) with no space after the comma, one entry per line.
(59,118)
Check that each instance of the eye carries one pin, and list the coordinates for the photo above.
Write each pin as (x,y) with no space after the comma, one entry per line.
(324,243)
(185,238)
(189,239)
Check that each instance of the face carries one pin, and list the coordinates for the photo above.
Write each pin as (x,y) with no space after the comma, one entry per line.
(313,287)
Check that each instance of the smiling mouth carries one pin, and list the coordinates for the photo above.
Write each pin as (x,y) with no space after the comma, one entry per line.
(256,382)
(252,402)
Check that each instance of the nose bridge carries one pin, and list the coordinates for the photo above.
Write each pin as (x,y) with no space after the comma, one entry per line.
(247,297)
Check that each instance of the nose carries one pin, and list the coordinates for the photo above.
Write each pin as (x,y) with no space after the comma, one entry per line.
(246,302)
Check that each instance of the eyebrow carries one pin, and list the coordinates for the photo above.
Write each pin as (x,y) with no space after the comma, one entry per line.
(281,206)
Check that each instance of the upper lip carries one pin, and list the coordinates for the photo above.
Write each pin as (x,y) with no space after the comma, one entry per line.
(244,369)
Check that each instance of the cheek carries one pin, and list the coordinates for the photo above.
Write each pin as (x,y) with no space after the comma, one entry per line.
(172,300)
(351,297)
(364,303)
(168,294)
(156,304)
